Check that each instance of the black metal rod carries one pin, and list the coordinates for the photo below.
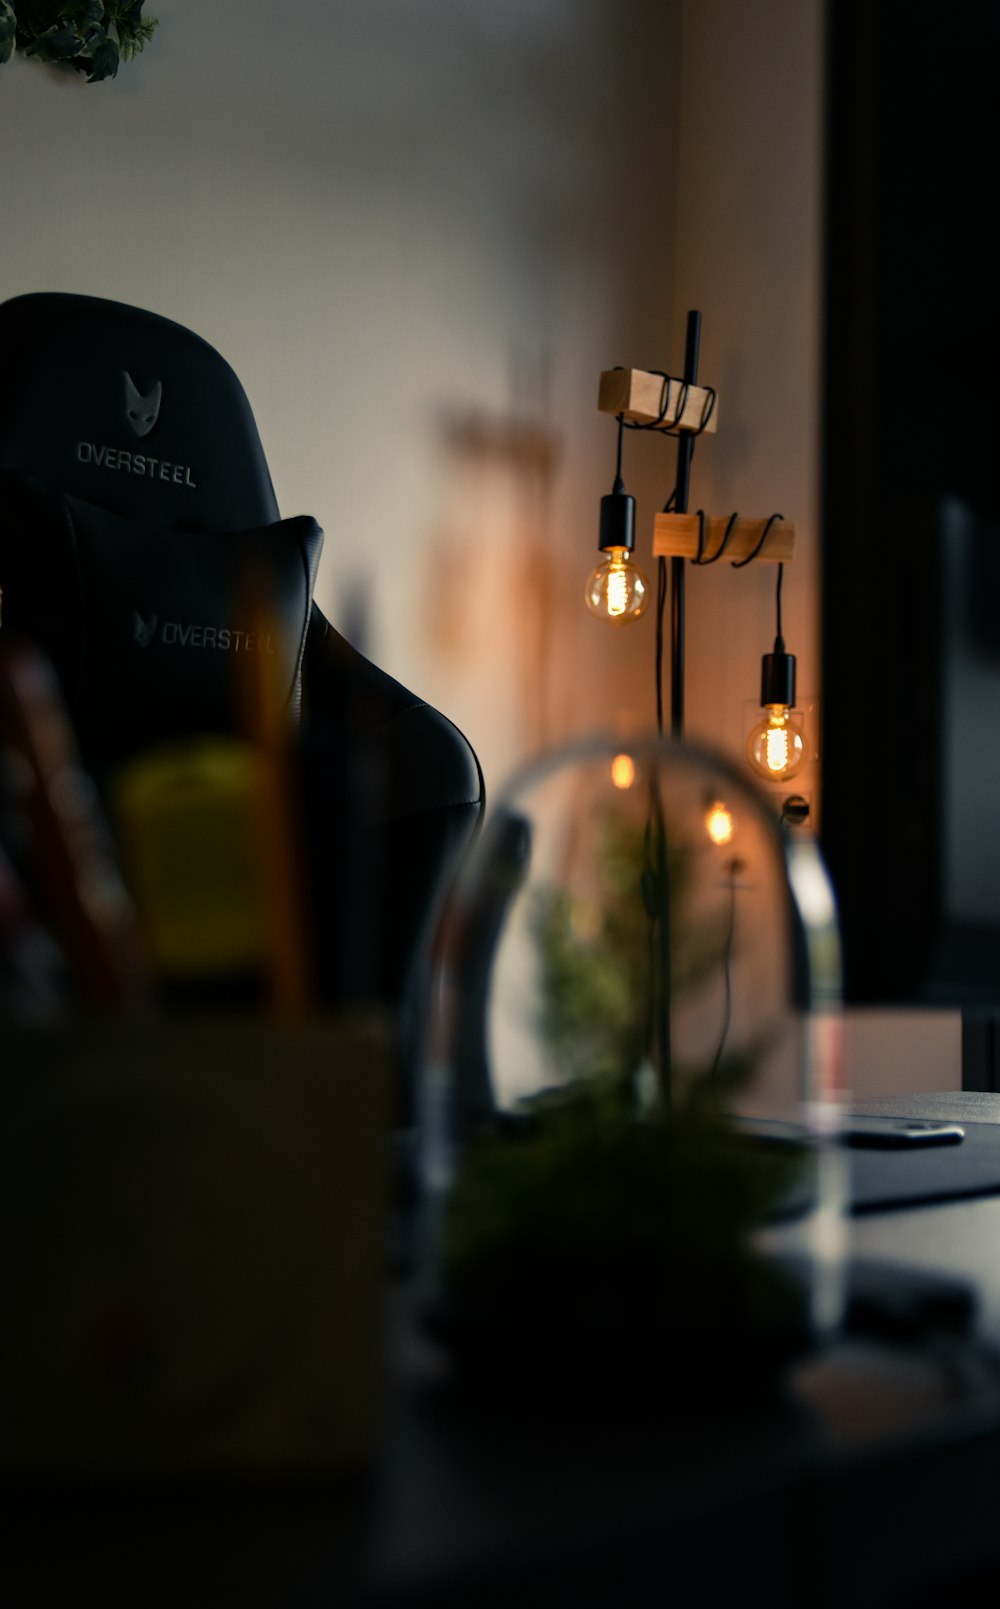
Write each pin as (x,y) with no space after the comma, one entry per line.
(677,648)
(685,450)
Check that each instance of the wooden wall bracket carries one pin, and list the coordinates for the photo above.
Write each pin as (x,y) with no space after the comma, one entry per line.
(676,536)
(639,396)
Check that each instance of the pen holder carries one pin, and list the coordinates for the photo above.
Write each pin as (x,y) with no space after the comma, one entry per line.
(192,1227)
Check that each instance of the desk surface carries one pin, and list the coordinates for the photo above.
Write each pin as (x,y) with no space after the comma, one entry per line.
(886,1179)
(871,1480)
(958,1236)
(877,1443)
(945,1106)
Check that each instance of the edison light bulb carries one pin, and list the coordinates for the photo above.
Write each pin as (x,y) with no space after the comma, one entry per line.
(775,747)
(617,590)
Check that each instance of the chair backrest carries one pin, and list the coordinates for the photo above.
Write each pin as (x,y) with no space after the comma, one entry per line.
(127,446)
(130,411)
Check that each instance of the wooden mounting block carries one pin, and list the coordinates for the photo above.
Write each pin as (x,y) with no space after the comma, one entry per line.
(639,396)
(676,536)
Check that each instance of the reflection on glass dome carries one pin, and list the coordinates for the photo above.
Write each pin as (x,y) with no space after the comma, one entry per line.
(625,1115)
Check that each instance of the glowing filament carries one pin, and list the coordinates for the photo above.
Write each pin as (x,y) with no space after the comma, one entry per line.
(617,590)
(776,748)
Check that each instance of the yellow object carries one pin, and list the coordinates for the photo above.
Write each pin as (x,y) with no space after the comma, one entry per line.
(185,816)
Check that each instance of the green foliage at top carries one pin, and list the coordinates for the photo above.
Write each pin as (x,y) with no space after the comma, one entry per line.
(8,30)
(92,36)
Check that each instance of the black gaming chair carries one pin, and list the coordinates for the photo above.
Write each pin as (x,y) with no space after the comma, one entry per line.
(131,475)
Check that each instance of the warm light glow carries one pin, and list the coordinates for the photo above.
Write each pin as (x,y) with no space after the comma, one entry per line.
(776,747)
(617,590)
(719,823)
(623,771)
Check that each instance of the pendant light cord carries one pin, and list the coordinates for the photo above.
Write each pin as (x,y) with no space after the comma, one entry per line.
(619,485)
(661,605)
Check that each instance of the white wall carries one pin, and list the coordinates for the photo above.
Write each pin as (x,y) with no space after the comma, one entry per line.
(419,229)
(747,252)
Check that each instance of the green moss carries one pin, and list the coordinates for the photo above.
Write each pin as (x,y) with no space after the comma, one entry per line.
(582,1223)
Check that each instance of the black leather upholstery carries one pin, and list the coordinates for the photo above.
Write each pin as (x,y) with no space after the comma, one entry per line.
(64,415)
(146,626)
(116,422)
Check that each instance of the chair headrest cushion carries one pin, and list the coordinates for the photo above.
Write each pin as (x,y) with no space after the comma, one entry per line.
(131,411)
(151,630)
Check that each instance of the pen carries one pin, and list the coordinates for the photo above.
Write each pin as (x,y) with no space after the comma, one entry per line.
(71,851)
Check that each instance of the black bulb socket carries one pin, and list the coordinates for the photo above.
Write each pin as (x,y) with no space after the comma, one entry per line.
(617,521)
(777,677)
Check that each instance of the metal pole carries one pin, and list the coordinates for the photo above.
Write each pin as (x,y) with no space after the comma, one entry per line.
(685,449)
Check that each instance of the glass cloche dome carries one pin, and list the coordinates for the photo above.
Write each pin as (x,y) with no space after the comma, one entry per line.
(629,1088)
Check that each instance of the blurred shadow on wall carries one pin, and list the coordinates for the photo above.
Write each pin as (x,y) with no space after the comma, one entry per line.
(492,586)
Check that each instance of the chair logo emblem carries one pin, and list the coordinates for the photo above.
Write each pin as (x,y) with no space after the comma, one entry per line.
(178,634)
(141,411)
(143,630)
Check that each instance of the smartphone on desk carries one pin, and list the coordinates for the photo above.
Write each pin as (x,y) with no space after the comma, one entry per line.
(898,1133)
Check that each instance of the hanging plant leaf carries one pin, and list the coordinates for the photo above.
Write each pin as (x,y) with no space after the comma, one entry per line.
(56,29)
(8,31)
(103,61)
(89,35)
(59,43)
(133,30)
